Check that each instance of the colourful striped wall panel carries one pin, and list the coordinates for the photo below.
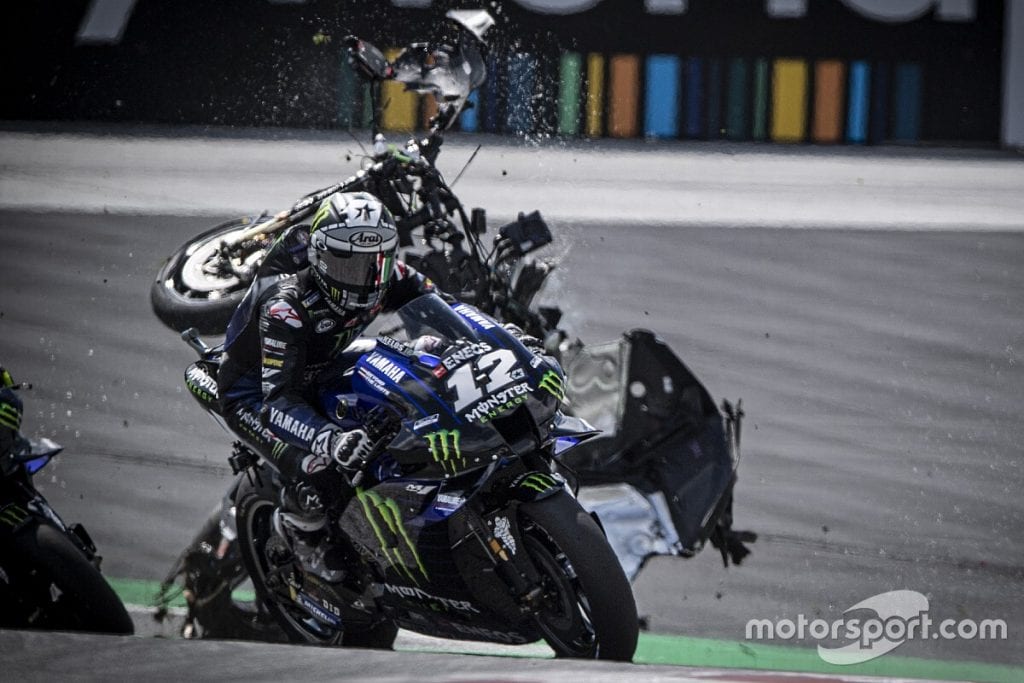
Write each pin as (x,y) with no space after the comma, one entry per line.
(367,113)
(401,106)
(714,101)
(348,97)
(737,101)
(493,95)
(789,100)
(879,123)
(624,96)
(595,95)
(694,126)
(469,119)
(859,103)
(661,98)
(829,101)
(570,79)
(522,75)
(759,129)
(428,110)
(907,90)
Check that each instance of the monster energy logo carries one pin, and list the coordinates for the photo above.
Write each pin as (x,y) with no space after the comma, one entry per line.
(321,214)
(386,521)
(538,482)
(9,416)
(13,516)
(278,449)
(552,384)
(444,448)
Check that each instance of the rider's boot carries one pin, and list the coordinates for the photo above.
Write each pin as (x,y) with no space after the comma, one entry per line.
(302,522)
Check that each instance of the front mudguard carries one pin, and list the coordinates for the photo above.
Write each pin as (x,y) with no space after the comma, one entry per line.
(531,486)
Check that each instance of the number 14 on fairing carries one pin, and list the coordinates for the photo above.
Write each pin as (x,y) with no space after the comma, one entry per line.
(476,379)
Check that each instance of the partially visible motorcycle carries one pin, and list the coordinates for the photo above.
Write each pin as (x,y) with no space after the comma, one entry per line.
(661,474)
(49,571)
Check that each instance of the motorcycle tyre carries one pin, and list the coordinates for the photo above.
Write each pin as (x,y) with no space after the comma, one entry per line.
(559,523)
(254,508)
(169,296)
(47,558)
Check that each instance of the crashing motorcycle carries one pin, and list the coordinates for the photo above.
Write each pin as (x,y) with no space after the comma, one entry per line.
(49,571)
(660,474)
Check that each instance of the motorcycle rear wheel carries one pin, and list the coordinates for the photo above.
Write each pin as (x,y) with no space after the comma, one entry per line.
(255,520)
(198,286)
(588,607)
(255,511)
(53,585)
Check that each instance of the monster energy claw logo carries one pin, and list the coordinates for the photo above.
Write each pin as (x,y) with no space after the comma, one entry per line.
(321,214)
(9,416)
(12,516)
(538,482)
(444,448)
(386,521)
(552,384)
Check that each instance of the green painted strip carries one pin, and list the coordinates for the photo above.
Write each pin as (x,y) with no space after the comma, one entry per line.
(665,649)
(760,129)
(570,79)
(707,652)
(143,593)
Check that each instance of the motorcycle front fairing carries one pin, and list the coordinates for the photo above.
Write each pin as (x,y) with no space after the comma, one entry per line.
(479,397)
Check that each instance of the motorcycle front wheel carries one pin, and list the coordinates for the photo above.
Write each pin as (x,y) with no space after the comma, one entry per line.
(587,609)
(201,284)
(49,583)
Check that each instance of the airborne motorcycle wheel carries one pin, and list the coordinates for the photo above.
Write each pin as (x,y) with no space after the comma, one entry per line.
(199,285)
(53,585)
(588,610)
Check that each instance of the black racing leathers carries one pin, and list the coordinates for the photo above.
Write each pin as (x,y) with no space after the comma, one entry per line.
(281,342)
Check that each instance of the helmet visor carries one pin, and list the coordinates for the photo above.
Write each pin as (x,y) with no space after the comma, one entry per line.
(353,280)
(356,273)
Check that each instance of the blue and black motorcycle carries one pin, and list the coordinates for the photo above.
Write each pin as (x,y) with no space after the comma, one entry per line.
(49,571)
(461,526)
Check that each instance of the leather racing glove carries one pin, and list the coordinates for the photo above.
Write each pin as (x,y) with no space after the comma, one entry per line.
(349,449)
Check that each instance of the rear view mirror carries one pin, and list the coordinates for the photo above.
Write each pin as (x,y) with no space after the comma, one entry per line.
(367,59)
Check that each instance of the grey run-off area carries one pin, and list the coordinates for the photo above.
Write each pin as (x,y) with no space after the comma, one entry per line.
(881,368)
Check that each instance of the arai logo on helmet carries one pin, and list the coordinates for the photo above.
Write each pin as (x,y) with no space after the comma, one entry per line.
(366,238)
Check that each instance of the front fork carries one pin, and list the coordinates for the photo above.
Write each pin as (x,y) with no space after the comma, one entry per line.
(495,529)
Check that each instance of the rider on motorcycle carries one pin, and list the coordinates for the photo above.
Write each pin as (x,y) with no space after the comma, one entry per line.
(318,288)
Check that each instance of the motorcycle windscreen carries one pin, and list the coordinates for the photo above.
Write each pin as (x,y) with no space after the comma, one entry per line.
(662,431)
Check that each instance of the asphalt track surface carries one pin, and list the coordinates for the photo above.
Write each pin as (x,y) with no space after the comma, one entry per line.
(878,349)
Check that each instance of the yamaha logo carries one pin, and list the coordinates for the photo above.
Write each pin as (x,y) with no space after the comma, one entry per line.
(366,239)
